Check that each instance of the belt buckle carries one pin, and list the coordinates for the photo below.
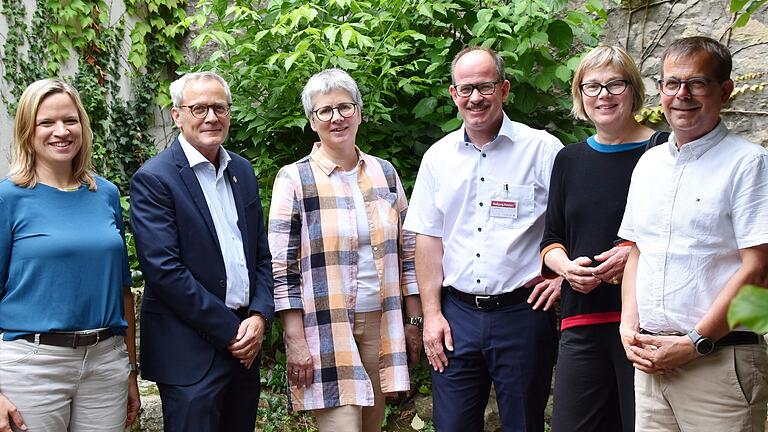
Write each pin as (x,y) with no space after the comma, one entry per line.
(478,298)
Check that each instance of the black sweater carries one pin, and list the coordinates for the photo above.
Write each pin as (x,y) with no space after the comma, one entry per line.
(587,196)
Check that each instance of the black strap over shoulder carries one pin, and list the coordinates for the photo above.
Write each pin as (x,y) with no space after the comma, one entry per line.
(657,138)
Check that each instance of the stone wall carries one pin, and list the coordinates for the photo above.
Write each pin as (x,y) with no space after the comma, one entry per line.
(661,21)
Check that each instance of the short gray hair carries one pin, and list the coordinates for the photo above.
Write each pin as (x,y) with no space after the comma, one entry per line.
(177,87)
(325,82)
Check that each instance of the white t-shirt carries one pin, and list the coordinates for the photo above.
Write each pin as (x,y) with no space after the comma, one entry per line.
(368,290)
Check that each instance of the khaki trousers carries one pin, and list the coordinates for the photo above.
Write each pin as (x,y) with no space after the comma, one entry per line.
(62,389)
(725,391)
(354,418)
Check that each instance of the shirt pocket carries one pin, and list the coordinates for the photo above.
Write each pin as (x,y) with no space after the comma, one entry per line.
(386,207)
(704,211)
(512,207)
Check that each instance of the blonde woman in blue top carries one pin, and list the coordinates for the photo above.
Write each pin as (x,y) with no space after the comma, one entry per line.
(66,310)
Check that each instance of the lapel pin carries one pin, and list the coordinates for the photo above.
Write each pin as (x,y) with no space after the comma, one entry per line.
(234,179)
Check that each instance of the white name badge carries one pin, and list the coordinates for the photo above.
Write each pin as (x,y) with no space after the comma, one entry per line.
(504,209)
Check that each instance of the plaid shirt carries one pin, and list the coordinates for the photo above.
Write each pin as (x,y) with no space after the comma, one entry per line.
(313,239)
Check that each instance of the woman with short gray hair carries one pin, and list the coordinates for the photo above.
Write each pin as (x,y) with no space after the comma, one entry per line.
(342,265)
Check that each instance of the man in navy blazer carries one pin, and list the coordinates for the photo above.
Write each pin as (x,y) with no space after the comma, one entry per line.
(199,229)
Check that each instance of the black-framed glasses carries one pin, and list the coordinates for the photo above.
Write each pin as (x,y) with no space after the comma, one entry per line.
(201,110)
(614,87)
(345,109)
(485,88)
(698,86)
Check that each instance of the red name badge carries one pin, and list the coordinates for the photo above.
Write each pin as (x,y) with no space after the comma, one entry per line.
(504,209)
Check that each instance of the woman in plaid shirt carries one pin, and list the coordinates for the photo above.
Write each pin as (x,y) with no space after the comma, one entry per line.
(342,266)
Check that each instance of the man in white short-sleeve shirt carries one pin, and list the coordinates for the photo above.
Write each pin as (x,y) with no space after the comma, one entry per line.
(478,211)
(697,213)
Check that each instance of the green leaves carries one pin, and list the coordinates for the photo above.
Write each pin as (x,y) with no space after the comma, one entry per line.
(425,107)
(746,8)
(399,52)
(560,34)
(750,308)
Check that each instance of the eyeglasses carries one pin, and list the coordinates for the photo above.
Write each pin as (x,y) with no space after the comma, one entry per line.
(696,86)
(485,88)
(201,110)
(345,109)
(615,87)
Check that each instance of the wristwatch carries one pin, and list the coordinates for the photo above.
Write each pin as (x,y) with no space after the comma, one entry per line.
(417,321)
(702,344)
(134,367)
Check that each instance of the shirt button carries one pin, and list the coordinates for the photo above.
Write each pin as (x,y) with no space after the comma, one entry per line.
(482,178)
(477,255)
(223,283)
(481,204)
(480,229)
(484,155)
(478,281)
(375,248)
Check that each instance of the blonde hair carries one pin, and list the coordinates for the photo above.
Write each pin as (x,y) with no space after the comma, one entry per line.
(607,56)
(23,162)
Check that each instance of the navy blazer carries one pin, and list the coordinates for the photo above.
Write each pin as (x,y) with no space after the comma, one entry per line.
(183,316)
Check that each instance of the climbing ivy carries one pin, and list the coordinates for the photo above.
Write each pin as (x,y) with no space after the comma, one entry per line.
(85,33)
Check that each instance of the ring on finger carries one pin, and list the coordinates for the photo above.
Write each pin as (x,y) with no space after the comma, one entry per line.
(614,281)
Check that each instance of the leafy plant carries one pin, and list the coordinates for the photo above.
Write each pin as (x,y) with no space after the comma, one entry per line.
(744,10)
(399,51)
(750,308)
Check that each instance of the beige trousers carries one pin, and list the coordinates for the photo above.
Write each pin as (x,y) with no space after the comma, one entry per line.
(354,418)
(62,389)
(725,391)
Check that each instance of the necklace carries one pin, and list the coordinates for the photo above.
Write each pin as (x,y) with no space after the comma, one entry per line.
(69,189)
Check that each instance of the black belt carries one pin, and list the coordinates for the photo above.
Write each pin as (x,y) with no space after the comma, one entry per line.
(492,302)
(732,338)
(69,339)
(738,338)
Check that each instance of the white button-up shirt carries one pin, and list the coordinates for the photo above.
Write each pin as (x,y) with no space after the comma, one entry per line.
(690,211)
(221,204)
(487,204)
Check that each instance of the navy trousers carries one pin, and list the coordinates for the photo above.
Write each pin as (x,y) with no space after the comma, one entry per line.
(512,347)
(594,382)
(225,400)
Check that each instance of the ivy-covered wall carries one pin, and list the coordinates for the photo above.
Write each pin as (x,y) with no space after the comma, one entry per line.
(117,53)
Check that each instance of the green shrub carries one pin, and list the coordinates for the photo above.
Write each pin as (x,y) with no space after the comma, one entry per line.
(399,51)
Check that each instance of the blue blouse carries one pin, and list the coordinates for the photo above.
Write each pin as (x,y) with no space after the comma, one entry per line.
(63,261)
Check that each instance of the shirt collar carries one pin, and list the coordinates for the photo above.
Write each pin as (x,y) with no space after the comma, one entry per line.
(697,148)
(196,158)
(325,163)
(507,130)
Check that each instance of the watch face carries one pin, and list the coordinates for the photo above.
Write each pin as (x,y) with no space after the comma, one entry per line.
(704,346)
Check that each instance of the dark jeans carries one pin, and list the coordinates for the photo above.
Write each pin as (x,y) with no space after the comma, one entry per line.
(594,382)
(512,347)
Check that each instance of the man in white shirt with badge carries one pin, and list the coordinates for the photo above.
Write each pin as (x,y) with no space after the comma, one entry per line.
(697,213)
(478,211)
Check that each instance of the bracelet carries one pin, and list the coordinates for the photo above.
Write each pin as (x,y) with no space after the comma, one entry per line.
(134,367)
(416,321)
